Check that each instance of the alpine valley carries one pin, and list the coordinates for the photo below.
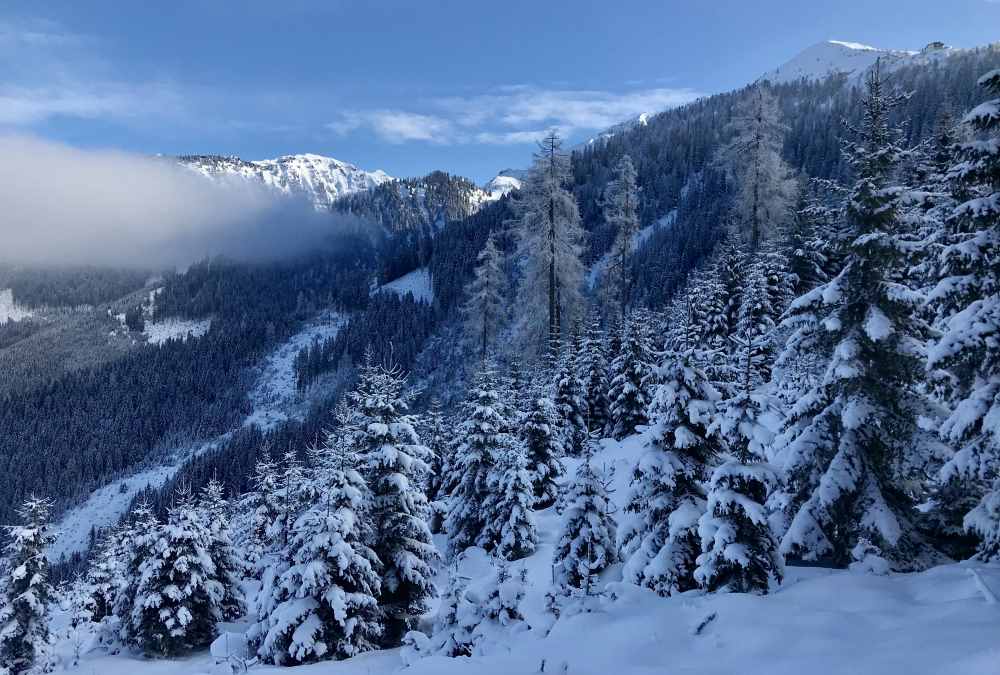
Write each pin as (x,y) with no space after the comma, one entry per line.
(714,390)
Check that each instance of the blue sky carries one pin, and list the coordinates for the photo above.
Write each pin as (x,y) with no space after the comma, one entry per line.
(409,86)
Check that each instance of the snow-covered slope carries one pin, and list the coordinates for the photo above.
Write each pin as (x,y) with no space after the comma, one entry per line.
(319,179)
(9,310)
(851,58)
(640,120)
(824,621)
(418,282)
(274,398)
(504,182)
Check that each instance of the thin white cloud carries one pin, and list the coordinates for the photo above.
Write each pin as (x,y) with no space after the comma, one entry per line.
(47,71)
(510,115)
(65,205)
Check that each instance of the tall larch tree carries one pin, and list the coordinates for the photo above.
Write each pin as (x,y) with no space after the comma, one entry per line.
(766,190)
(485,303)
(551,239)
(621,211)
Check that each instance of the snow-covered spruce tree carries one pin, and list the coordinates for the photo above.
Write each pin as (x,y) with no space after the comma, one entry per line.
(594,372)
(739,551)
(509,524)
(26,591)
(456,619)
(621,211)
(473,621)
(586,546)
(803,245)
(228,565)
(292,492)
(105,574)
(854,435)
(967,297)
(263,502)
(395,463)
(544,448)
(711,312)
(485,304)
(753,156)
(138,538)
(479,439)
(984,522)
(502,604)
(660,542)
(551,243)
(326,605)
(177,599)
(570,398)
(628,396)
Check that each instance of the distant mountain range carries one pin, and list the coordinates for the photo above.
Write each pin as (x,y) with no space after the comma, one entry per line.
(319,179)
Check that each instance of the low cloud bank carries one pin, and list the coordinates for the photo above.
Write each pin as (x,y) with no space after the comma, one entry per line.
(63,205)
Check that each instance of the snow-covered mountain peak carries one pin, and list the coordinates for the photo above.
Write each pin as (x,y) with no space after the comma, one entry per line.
(318,178)
(506,181)
(832,57)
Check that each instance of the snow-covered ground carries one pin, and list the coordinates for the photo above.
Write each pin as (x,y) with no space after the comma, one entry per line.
(174,328)
(275,396)
(9,310)
(106,506)
(944,620)
(417,282)
(275,399)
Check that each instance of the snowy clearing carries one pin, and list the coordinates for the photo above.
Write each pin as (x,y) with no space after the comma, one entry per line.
(417,282)
(175,329)
(275,396)
(9,310)
(106,505)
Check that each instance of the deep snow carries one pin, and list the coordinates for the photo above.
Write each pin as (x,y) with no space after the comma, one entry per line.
(944,620)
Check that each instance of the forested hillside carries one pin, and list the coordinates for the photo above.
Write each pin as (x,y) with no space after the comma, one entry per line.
(774,312)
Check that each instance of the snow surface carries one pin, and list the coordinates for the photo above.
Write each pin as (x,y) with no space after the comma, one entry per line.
(9,310)
(819,621)
(851,58)
(275,398)
(417,282)
(503,183)
(174,328)
(105,506)
(320,179)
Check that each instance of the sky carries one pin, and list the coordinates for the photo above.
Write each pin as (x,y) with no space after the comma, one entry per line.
(408,86)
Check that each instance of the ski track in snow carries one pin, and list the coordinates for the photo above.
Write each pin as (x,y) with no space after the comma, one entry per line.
(275,399)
